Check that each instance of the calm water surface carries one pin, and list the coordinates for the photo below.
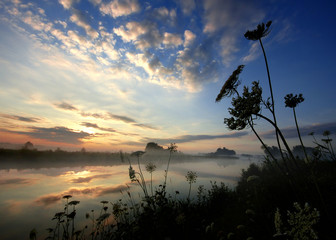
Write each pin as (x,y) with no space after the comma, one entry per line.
(29,198)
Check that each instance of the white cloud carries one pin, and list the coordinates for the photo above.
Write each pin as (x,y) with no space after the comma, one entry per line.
(79,40)
(253,52)
(286,31)
(80,19)
(118,8)
(63,23)
(67,4)
(230,14)
(228,48)
(172,39)
(197,66)
(140,60)
(165,15)
(36,22)
(132,32)
(230,19)
(144,34)
(189,38)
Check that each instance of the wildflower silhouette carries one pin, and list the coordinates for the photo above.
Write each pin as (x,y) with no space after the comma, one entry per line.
(292,101)
(228,89)
(324,148)
(244,107)
(231,84)
(247,107)
(132,173)
(150,167)
(261,31)
(191,178)
(67,211)
(172,148)
(73,214)
(329,147)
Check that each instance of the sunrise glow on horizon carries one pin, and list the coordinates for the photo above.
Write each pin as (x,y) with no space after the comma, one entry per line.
(115,75)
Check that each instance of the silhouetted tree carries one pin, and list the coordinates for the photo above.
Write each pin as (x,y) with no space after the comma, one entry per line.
(152,146)
(28,146)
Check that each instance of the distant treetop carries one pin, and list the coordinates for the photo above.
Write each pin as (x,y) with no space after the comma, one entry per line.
(152,146)
(28,146)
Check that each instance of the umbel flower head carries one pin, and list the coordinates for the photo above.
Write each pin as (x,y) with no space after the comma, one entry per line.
(150,167)
(292,101)
(191,177)
(231,84)
(244,107)
(261,31)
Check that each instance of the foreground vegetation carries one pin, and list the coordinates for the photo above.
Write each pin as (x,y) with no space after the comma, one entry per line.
(265,204)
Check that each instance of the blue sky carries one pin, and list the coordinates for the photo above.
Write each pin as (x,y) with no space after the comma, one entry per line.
(111,75)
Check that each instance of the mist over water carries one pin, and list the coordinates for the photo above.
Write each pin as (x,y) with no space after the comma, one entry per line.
(30,196)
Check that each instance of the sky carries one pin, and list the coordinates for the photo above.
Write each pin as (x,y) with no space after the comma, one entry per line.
(115,75)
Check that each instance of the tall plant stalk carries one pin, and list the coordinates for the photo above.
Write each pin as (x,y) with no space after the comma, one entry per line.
(272,98)
(298,131)
(172,148)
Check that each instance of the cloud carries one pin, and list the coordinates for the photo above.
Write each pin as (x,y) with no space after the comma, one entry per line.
(118,8)
(89,179)
(63,23)
(188,6)
(93,125)
(48,200)
(291,132)
(20,118)
(229,20)
(56,134)
(15,181)
(192,138)
(121,118)
(66,106)
(125,119)
(170,39)
(105,116)
(35,21)
(67,4)
(189,38)
(132,31)
(286,31)
(197,65)
(144,34)
(165,15)
(80,18)
(253,52)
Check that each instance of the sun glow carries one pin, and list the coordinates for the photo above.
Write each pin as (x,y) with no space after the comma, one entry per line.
(88,130)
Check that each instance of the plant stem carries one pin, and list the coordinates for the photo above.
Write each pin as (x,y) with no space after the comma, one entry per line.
(272,98)
(265,146)
(298,131)
(151,183)
(142,179)
(165,182)
(280,134)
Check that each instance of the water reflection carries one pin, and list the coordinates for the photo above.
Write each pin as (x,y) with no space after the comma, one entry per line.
(30,197)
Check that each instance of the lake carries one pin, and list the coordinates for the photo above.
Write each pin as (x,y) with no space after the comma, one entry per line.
(30,197)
